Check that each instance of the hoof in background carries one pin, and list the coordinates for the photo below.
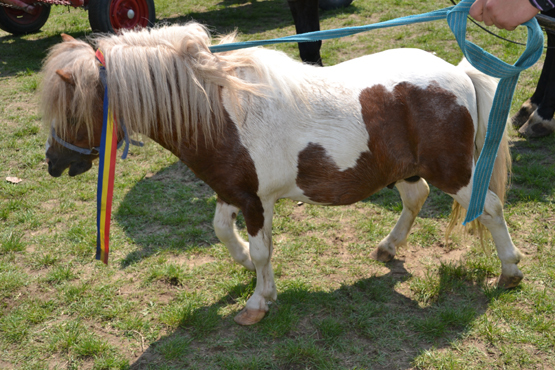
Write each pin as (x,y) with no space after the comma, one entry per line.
(523,114)
(536,126)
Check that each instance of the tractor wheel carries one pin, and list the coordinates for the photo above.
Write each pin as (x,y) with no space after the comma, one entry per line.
(334,4)
(18,22)
(109,16)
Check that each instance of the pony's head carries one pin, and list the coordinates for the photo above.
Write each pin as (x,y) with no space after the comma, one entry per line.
(71,103)
(164,83)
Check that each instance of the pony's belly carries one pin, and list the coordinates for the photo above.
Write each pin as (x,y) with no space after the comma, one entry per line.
(333,198)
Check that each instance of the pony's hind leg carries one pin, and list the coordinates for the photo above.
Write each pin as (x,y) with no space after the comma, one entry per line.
(226,231)
(413,195)
(492,218)
(260,247)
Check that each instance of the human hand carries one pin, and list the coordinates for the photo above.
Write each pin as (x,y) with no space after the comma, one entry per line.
(506,14)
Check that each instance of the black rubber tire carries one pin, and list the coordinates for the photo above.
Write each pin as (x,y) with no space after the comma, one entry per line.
(17,22)
(333,4)
(102,21)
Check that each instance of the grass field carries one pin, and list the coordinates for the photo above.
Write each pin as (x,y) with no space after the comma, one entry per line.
(168,297)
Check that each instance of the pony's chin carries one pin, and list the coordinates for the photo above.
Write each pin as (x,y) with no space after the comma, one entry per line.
(55,173)
(77,168)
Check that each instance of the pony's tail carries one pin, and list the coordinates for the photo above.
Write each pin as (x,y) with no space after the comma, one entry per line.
(485,87)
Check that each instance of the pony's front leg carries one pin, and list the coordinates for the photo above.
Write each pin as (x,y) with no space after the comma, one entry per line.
(226,231)
(413,195)
(260,246)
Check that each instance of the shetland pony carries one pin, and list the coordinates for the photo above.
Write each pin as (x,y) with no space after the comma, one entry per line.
(257,126)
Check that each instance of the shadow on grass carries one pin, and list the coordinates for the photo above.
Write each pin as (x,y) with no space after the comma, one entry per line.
(169,210)
(368,324)
(533,170)
(19,55)
(250,17)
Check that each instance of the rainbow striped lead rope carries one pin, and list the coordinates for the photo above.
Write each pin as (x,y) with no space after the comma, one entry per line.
(106,170)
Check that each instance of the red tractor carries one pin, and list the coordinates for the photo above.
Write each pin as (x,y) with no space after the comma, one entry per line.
(21,17)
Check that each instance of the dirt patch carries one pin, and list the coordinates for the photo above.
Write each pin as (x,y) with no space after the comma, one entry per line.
(418,260)
(194,260)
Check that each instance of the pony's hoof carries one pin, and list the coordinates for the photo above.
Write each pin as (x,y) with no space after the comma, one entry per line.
(524,113)
(249,317)
(537,126)
(381,255)
(520,118)
(507,282)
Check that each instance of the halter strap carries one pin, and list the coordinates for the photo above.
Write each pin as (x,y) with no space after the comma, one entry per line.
(96,150)
(104,79)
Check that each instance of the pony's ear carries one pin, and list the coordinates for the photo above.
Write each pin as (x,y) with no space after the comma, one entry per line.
(66,76)
(67,38)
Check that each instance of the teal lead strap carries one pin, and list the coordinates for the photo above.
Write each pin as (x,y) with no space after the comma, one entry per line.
(333,34)
(483,61)
(509,74)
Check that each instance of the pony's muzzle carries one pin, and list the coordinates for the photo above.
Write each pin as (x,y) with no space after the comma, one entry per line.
(77,168)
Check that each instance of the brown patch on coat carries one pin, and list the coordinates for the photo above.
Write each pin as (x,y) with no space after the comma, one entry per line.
(227,167)
(412,132)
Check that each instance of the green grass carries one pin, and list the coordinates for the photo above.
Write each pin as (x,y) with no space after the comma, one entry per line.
(168,297)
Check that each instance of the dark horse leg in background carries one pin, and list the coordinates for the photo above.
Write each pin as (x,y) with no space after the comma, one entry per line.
(305,15)
(535,117)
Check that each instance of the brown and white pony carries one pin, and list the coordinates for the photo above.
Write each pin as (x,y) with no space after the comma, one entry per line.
(257,126)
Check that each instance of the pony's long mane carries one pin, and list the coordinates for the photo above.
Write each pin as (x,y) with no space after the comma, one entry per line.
(62,102)
(162,81)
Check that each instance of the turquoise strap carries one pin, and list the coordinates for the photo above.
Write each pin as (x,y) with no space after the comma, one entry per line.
(485,62)
(508,74)
(332,34)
